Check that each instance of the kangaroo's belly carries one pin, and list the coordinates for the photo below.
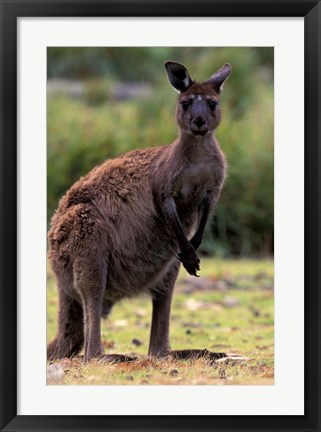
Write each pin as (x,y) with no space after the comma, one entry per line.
(138,269)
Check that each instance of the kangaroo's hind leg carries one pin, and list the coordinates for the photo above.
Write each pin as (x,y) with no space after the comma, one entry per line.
(90,275)
(159,344)
(90,281)
(70,337)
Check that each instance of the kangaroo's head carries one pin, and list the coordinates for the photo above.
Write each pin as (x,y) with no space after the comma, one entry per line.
(198,108)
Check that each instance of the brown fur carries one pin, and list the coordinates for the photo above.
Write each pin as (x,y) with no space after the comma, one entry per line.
(123,229)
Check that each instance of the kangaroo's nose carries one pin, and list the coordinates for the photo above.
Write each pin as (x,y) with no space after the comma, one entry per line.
(199,121)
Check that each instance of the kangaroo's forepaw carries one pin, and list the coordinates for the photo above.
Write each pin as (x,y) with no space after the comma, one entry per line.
(190,261)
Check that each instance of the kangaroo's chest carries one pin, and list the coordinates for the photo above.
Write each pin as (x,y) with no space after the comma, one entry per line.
(193,183)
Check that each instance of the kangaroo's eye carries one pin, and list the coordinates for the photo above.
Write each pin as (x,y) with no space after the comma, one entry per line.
(212,104)
(184,105)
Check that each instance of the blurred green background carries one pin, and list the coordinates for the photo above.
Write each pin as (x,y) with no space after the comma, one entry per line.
(105,101)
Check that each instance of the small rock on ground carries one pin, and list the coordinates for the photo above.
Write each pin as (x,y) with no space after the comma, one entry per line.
(137,342)
(55,374)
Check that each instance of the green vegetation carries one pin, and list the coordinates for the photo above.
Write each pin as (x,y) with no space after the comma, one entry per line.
(119,99)
(228,309)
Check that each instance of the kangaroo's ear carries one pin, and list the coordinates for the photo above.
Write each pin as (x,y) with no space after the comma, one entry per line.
(178,76)
(217,80)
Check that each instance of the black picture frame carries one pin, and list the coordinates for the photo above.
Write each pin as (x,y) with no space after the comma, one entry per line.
(10,11)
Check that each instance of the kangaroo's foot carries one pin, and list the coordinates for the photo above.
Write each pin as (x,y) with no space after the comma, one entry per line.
(193,354)
(116,358)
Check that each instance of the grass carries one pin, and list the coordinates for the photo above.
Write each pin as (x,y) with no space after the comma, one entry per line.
(230,309)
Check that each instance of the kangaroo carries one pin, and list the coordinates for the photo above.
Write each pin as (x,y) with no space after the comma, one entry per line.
(124,229)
